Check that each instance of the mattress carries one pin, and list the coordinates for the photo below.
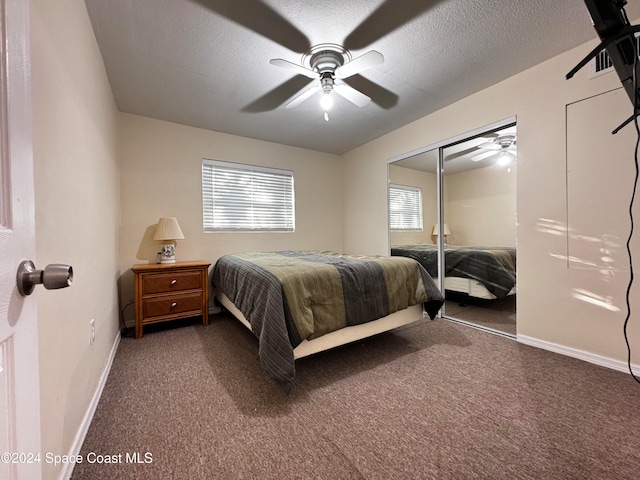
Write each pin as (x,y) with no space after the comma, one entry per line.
(288,297)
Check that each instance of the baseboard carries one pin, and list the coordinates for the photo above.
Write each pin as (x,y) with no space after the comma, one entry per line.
(579,354)
(67,469)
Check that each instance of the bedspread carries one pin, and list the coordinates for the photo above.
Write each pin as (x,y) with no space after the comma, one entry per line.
(494,267)
(290,296)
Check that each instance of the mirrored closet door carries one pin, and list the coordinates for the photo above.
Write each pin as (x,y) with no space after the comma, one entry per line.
(452,207)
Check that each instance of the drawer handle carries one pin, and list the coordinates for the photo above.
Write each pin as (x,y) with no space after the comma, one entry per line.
(173,282)
(174,305)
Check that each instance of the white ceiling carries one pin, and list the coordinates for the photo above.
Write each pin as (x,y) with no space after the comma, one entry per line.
(205,63)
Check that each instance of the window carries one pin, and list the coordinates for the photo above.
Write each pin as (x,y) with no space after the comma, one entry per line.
(405,208)
(245,197)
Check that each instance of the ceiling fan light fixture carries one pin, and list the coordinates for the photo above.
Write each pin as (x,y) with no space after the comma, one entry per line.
(326,101)
(504,160)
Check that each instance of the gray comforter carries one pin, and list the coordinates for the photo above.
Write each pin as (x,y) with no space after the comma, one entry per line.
(291,296)
(494,267)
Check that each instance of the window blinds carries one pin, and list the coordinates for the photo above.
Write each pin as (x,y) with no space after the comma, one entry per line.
(246,197)
(405,208)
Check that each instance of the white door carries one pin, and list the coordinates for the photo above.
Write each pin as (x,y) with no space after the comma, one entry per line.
(19,397)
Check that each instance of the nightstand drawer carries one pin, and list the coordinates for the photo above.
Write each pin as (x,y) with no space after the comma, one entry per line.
(171,282)
(172,304)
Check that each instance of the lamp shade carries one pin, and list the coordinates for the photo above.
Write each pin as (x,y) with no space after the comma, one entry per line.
(447,230)
(168,229)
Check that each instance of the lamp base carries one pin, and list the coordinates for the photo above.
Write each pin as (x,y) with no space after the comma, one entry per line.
(168,253)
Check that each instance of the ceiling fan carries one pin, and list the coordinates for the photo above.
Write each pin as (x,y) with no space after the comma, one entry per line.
(329,64)
(502,145)
(258,16)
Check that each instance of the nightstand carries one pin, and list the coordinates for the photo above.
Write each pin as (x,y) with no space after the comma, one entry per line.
(170,291)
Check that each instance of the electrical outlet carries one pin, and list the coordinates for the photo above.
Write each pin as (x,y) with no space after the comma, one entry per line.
(92,331)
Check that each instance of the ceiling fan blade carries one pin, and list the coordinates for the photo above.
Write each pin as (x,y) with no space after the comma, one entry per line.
(262,19)
(302,97)
(483,156)
(389,16)
(489,146)
(378,94)
(351,94)
(360,64)
(278,62)
(462,153)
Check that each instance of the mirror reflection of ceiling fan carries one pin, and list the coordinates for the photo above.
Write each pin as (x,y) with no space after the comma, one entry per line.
(502,147)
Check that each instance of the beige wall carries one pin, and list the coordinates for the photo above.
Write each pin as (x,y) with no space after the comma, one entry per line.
(548,308)
(481,206)
(77,214)
(161,176)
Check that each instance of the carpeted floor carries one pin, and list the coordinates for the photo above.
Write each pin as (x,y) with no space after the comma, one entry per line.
(435,400)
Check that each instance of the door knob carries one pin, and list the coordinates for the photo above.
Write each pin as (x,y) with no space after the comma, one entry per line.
(52,277)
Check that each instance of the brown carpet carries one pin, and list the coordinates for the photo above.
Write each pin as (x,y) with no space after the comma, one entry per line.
(435,400)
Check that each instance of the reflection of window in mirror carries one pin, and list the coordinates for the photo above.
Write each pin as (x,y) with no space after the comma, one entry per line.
(425,184)
(405,208)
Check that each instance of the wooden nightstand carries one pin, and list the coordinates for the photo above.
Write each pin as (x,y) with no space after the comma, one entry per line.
(170,291)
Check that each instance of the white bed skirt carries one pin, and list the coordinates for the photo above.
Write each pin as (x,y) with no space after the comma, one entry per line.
(344,335)
(469,286)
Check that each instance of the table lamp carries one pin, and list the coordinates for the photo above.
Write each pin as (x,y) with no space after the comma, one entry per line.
(168,231)
(446,233)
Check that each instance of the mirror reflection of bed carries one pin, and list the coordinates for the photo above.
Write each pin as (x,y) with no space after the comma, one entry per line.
(474,193)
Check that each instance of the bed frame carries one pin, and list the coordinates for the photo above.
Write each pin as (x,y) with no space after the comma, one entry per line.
(471,287)
(344,335)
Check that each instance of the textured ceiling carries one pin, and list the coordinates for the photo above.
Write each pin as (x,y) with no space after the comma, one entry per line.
(205,63)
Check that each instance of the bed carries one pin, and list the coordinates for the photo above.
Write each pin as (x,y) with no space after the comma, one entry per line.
(482,272)
(299,303)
